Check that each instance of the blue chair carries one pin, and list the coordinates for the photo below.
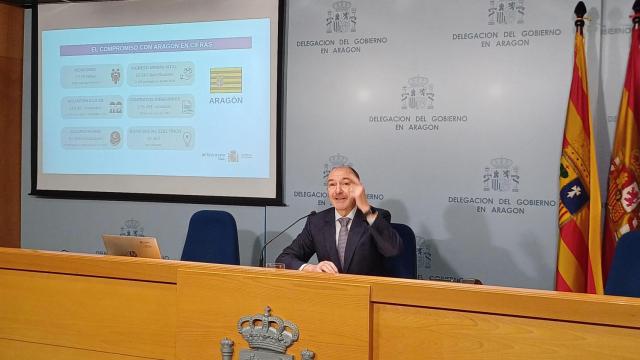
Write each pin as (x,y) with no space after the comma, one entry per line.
(212,237)
(624,276)
(403,265)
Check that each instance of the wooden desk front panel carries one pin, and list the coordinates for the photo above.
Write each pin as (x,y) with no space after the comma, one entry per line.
(18,350)
(118,316)
(405,332)
(70,305)
(333,317)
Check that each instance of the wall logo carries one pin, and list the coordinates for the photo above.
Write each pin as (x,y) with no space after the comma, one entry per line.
(132,228)
(506,12)
(423,255)
(321,196)
(341,18)
(502,175)
(418,94)
(334,161)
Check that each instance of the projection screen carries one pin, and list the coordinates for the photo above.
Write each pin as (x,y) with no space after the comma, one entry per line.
(159,100)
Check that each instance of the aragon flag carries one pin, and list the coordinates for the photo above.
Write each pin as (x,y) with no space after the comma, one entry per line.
(579,218)
(622,213)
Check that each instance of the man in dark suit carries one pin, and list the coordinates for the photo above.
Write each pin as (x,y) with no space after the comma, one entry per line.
(351,237)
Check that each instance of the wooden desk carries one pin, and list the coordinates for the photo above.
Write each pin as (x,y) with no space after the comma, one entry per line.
(74,306)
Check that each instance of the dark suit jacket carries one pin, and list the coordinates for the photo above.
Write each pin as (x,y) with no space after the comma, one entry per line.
(367,245)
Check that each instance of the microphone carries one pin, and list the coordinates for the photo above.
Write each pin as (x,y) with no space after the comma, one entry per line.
(264,247)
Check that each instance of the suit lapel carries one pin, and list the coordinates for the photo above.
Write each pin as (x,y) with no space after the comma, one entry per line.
(329,238)
(356,233)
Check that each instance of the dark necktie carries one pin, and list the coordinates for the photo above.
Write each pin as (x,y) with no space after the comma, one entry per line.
(342,238)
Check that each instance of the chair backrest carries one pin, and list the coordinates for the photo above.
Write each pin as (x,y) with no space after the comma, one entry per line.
(403,265)
(624,276)
(212,237)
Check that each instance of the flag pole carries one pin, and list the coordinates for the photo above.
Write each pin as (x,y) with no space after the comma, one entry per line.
(580,11)
(636,13)
(579,210)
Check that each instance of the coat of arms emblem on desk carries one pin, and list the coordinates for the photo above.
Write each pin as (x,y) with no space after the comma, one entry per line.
(268,337)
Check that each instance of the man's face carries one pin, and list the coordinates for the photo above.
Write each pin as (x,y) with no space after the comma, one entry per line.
(339,189)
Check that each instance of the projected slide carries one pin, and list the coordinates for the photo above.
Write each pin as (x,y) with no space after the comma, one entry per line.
(189,99)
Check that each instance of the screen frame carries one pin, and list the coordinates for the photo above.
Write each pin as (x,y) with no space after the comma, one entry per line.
(277,200)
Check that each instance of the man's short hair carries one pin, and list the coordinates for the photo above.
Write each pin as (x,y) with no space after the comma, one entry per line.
(347,167)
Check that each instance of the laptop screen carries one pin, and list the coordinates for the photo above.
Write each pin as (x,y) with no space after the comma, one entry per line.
(135,246)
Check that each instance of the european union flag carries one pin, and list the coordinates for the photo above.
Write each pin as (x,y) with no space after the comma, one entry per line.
(574,195)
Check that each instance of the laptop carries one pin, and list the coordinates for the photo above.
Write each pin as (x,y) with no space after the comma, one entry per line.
(135,246)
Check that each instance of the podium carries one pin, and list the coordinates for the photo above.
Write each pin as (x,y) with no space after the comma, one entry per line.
(77,306)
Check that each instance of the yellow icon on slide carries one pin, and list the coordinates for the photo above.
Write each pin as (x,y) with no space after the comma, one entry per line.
(226,80)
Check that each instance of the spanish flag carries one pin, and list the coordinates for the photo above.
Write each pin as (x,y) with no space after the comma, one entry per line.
(622,213)
(579,246)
